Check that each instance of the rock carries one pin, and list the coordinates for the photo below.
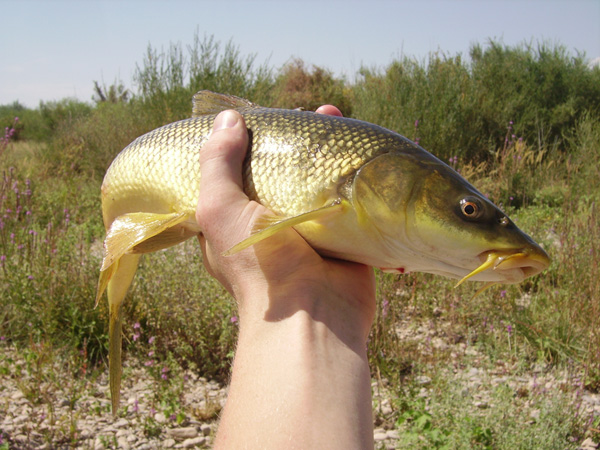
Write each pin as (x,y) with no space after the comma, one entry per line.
(393,434)
(123,443)
(379,434)
(121,423)
(169,443)
(386,410)
(206,429)
(423,380)
(188,443)
(588,444)
(160,418)
(182,433)
(17,395)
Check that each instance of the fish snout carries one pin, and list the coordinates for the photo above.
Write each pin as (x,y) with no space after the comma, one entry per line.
(510,265)
(529,261)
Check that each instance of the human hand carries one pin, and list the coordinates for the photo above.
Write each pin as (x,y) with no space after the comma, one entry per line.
(283,266)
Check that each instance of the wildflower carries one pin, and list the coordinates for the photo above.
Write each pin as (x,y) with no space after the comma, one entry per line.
(149,363)
(152,411)
(151,353)
(509,329)
(233,319)
(136,325)
(173,417)
(151,340)
(163,374)
(30,277)
(136,336)
(385,306)
(2,258)
(136,406)
(503,293)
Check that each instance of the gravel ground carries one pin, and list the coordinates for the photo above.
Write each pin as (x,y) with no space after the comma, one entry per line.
(52,409)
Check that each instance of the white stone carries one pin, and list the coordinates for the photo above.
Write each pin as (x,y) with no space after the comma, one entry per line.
(182,433)
(588,444)
(121,423)
(380,436)
(123,443)
(188,443)
(169,443)
(393,434)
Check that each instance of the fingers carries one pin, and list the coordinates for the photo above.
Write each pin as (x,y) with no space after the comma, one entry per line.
(330,110)
(221,160)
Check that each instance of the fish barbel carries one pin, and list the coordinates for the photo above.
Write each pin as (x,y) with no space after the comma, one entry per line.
(352,189)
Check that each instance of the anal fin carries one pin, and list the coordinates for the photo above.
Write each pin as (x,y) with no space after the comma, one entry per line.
(131,230)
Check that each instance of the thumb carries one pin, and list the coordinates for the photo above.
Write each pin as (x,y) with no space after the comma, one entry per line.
(221,160)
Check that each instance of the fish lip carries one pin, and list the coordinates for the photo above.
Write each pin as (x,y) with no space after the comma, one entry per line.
(530,260)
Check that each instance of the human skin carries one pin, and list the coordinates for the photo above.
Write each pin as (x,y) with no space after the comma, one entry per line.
(300,376)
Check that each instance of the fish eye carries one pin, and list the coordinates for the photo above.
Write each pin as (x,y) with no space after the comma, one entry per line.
(470,207)
(503,221)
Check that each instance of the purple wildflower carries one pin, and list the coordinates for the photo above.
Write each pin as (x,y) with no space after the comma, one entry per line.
(385,307)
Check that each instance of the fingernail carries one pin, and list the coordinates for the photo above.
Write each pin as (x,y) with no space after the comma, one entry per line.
(225,119)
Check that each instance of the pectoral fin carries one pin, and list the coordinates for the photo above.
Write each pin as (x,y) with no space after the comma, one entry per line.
(270,225)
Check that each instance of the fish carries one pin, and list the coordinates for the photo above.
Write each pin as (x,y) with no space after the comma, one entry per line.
(354,191)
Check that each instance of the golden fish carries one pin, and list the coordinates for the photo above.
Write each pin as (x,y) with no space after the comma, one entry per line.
(353,190)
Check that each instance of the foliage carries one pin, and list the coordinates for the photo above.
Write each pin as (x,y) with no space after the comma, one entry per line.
(298,86)
(463,107)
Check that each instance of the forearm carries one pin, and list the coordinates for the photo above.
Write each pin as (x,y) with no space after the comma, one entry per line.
(299,380)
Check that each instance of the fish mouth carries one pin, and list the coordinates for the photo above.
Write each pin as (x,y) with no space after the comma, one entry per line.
(512,265)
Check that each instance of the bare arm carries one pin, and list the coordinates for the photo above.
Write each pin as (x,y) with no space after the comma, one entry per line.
(300,375)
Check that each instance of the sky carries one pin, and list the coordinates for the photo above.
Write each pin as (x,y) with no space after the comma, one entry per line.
(54,49)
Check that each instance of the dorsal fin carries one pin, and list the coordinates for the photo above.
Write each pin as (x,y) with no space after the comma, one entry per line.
(209,103)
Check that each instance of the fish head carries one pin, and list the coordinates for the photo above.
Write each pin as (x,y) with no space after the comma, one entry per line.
(432,220)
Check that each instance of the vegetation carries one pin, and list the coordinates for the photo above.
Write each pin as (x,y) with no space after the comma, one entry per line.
(522,123)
